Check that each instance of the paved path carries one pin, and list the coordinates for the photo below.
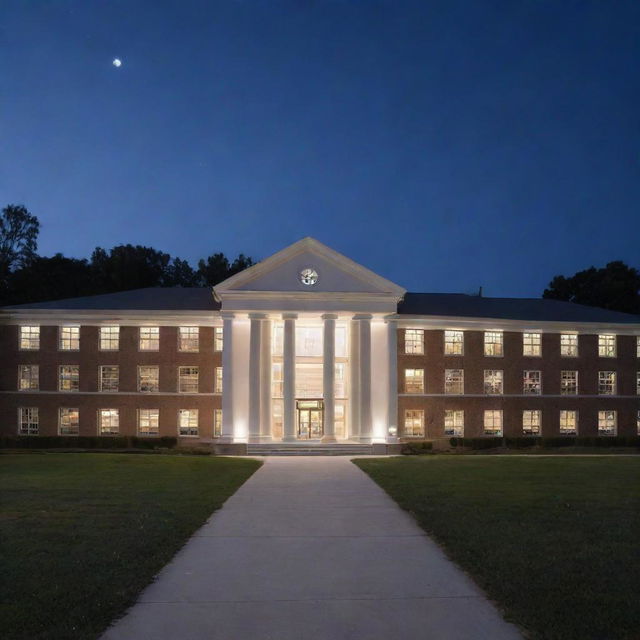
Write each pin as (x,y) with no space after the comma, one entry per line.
(311,549)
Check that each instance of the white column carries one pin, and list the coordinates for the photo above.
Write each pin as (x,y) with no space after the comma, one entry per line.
(289,375)
(366,427)
(255,336)
(227,378)
(328,376)
(265,382)
(392,367)
(354,380)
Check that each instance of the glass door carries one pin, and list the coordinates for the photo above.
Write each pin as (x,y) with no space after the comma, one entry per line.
(310,419)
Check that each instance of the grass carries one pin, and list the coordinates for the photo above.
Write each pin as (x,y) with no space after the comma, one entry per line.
(554,541)
(83,534)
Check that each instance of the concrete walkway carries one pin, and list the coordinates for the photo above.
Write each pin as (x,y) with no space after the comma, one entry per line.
(311,549)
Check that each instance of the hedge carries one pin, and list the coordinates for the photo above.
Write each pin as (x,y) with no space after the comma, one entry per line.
(546,442)
(416,448)
(86,442)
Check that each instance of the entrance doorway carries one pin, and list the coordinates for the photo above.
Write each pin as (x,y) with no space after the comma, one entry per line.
(310,419)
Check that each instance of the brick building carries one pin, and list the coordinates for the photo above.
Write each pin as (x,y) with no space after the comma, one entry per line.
(310,347)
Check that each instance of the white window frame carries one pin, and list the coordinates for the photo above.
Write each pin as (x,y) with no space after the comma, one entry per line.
(454,423)
(414,342)
(189,426)
(531,422)
(112,425)
(149,342)
(564,377)
(218,339)
(29,337)
(218,380)
(110,341)
(101,377)
(532,344)
(148,416)
(563,417)
(77,378)
(498,375)
(531,386)
(453,342)
(414,418)
(494,342)
(569,345)
(607,383)
(454,382)
(68,409)
(607,345)
(417,381)
(496,429)
(607,422)
(32,379)
(148,366)
(69,342)
(28,421)
(186,378)
(189,339)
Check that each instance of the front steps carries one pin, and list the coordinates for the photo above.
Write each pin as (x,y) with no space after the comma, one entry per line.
(309,449)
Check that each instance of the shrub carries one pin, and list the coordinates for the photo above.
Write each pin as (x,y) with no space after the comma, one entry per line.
(522,442)
(86,442)
(417,447)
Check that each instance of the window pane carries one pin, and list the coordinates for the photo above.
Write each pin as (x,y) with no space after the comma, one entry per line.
(149,338)
(28,421)
(188,338)
(29,338)
(453,343)
(493,343)
(109,338)
(148,422)
(414,341)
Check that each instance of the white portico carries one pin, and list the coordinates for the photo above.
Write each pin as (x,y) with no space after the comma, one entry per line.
(309,350)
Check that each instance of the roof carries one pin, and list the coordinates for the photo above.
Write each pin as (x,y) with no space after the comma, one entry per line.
(533,309)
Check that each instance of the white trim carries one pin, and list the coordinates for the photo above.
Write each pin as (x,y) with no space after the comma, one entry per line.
(153,394)
(504,395)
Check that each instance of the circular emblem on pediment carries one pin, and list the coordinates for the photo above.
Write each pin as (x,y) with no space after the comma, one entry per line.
(308,277)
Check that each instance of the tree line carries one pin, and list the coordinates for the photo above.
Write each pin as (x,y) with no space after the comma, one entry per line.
(26,276)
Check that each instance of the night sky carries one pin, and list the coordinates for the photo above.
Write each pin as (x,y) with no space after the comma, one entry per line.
(445,145)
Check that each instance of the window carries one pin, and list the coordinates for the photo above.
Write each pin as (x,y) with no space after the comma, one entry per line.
(188,379)
(531,344)
(638,383)
(638,423)
(188,338)
(492,422)
(69,377)
(339,381)
(531,422)
(188,422)
(217,423)
(414,341)
(308,341)
(493,343)
(454,381)
(607,423)
(109,377)
(607,383)
(414,380)
(341,341)
(607,346)
(453,343)
(68,421)
(568,423)
(69,338)
(148,422)
(568,383)
(29,338)
(493,382)
(569,345)
(108,422)
(453,422)
(218,341)
(28,421)
(532,383)
(414,423)
(149,379)
(638,347)
(28,377)
(217,385)
(149,339)
(109,338)
(277,382)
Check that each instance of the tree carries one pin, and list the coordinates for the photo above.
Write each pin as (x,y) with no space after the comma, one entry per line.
(615,287)
(216,268)
(18,240)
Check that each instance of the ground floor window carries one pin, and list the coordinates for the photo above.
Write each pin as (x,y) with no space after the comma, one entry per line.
(607,423)
(531,422)
(277,418)
(493,422)
(217,423)
(28,421)
(68,421)
(340,421)
(568,423)
(188,422)
(149,422)
(638,423)
(108,422)
(414,423)
(453,422)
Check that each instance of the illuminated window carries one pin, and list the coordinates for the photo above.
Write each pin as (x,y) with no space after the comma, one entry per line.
(531,422)
(69,338)
(308,341)
(108,422)
(568,423)
(454,381)
(492,422)
(217,423)
(109,377)
(218,339)
(638,423)
(453,422)
(188,338)
(532,383)
(217,384)
(638,347)
(606,346)
(28,421)
(341,341)
(638,383)
(149,379)
(607,383)
(531,344)
(414,423)
(69,377)
(340,383)
(276,380)
(28,377)
(414,380)
(277,339)
(493,343)
(188,422)
(607,423)
(453,343)
(493,382)
(414,341)
(68,421)
(109,338)
(29,338)
(149,339)
(568,383)
(569,345)
(148,422)
(277,418)
(188,379)
(308,380)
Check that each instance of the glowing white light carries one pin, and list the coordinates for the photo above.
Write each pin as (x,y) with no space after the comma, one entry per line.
(117,62)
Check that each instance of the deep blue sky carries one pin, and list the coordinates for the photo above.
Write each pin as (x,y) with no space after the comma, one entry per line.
(443,144)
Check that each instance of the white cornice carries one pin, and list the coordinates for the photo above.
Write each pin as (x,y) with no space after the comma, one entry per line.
(106,317)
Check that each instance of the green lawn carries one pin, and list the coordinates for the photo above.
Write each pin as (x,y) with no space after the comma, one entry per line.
(555,542)
(82,534)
